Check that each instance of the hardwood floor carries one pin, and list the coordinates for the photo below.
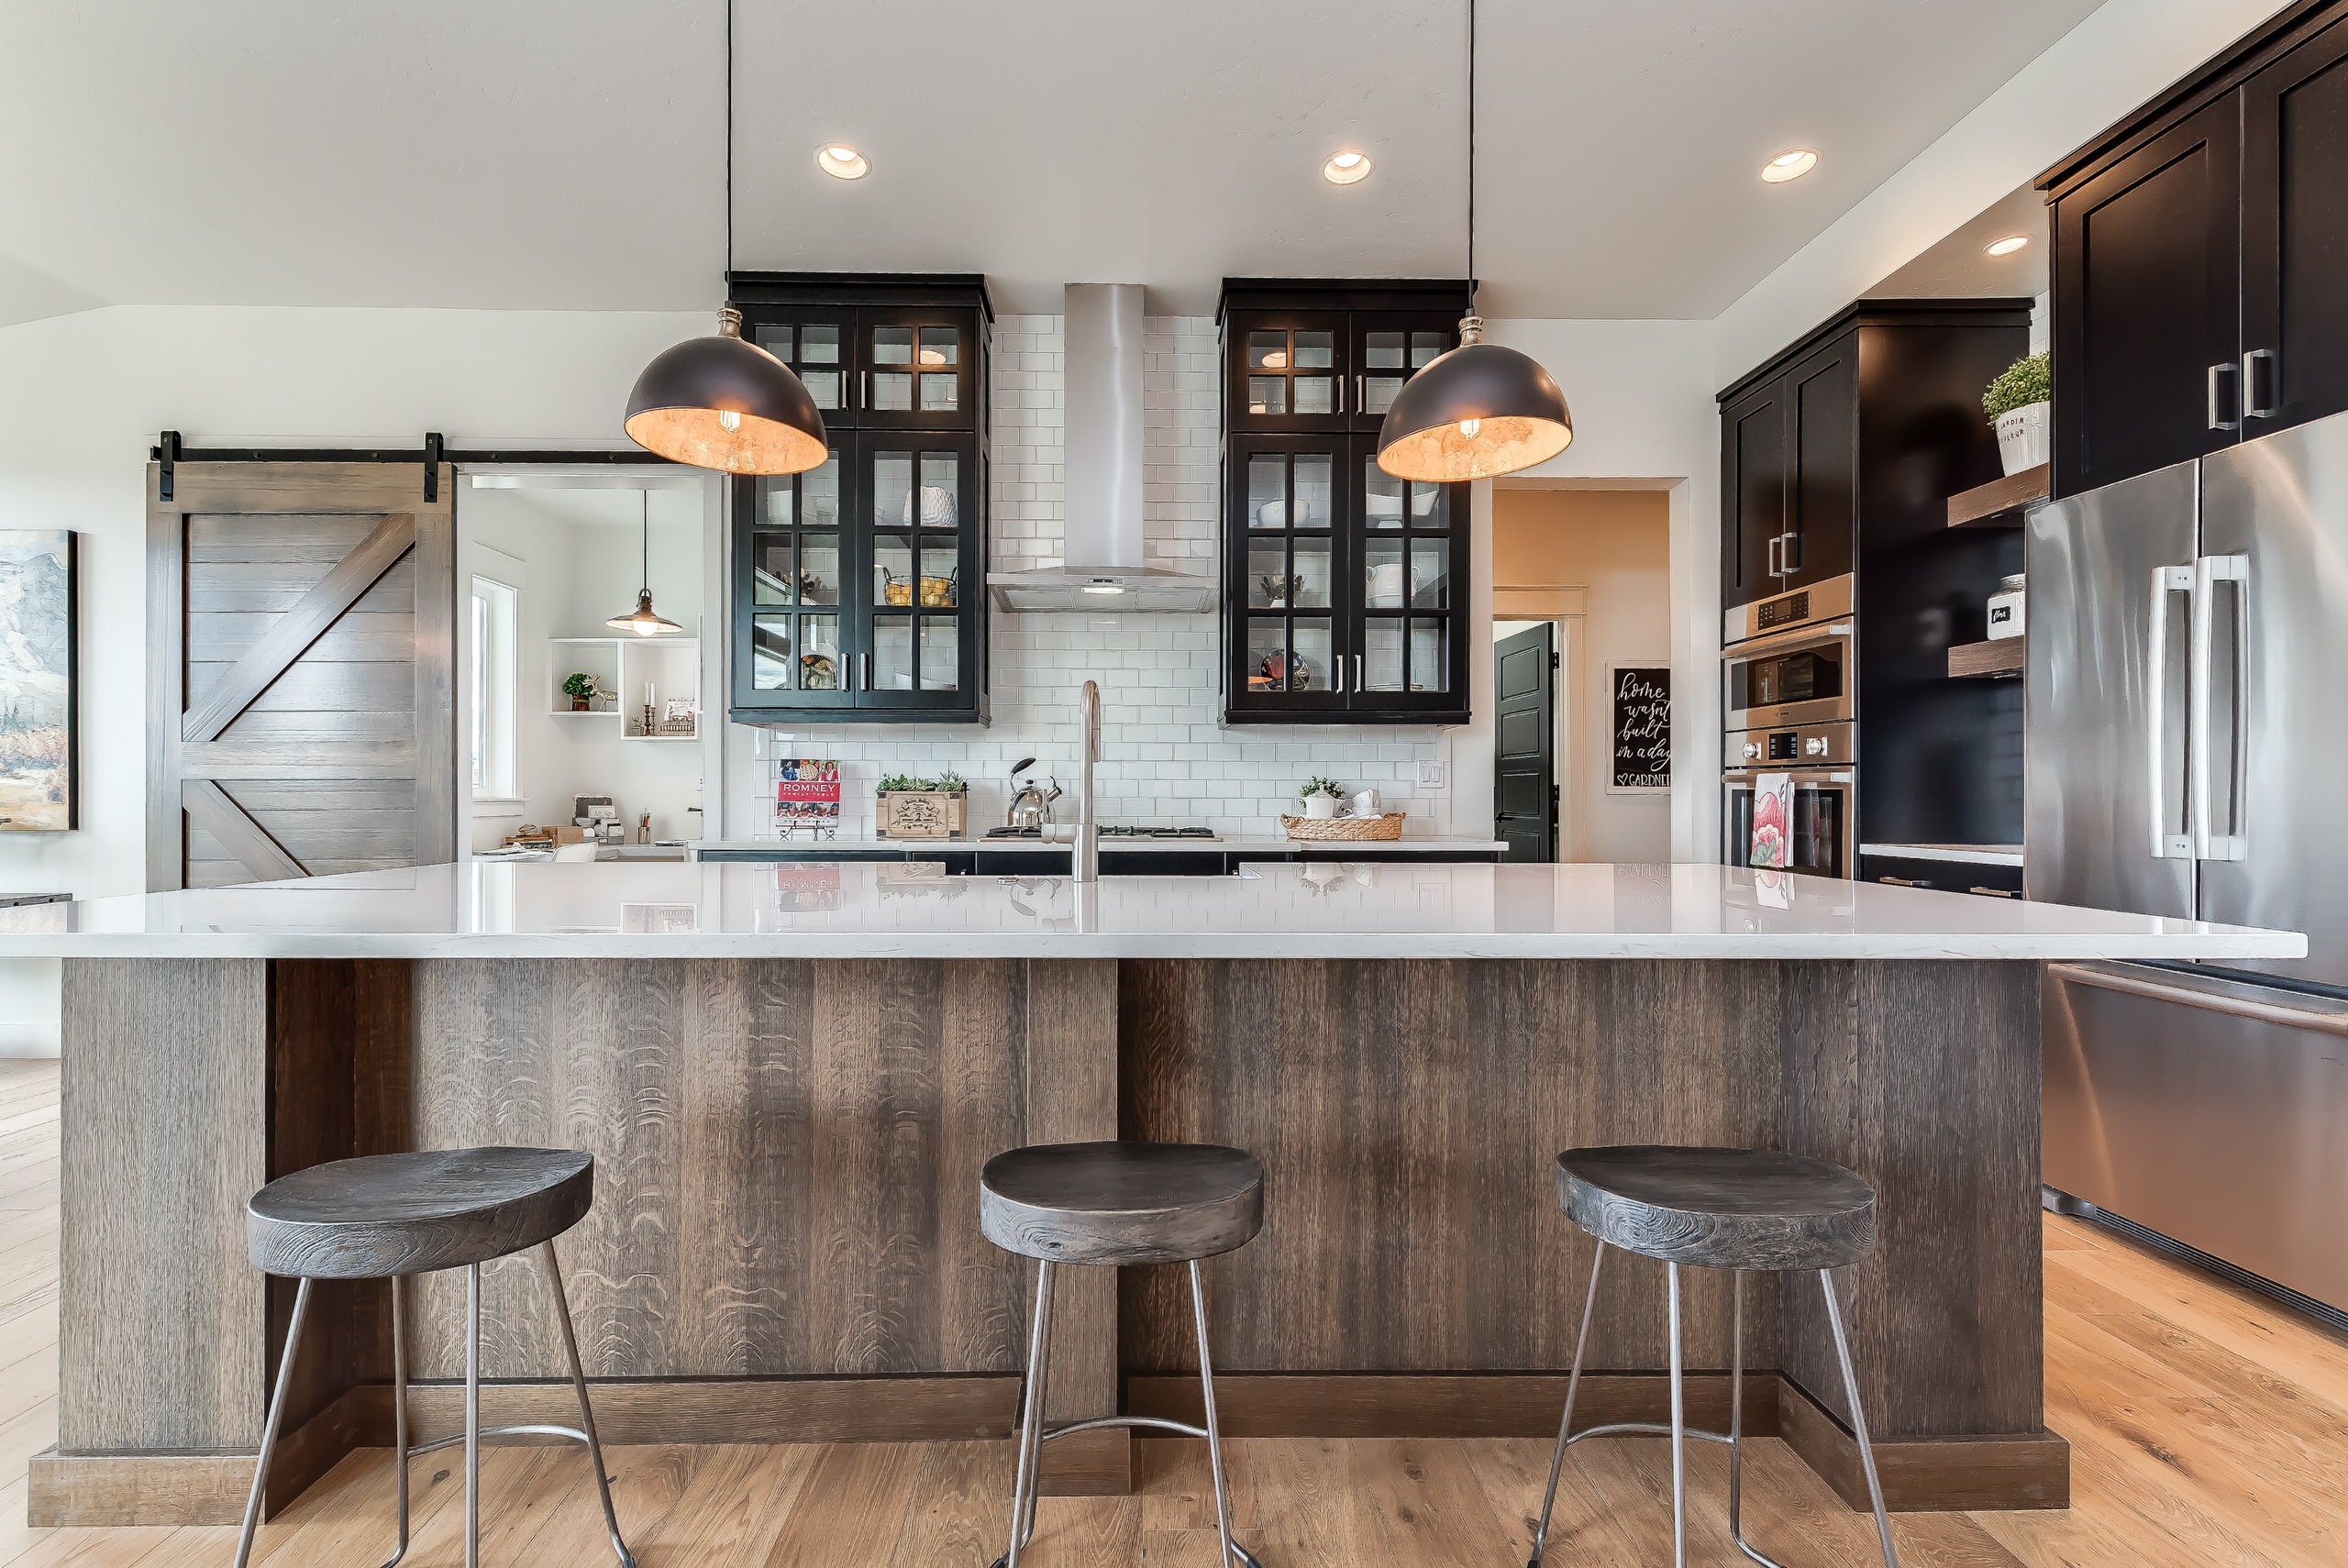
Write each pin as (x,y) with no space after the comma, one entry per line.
(2206,1428)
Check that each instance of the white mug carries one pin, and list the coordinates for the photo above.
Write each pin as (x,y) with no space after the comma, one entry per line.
(1365,805)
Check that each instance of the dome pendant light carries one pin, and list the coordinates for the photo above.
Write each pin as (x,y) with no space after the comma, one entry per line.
(724,402)
(1480,410)
(644,621)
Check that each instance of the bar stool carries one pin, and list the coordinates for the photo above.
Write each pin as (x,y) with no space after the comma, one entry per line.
(389,1216)
(1732,1209)
(1117,1203)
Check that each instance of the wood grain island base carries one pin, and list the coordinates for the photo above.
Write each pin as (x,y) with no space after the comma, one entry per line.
(784,1243)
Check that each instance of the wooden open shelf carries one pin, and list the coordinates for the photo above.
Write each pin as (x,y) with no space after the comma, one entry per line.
(1999,502)
(2004,656)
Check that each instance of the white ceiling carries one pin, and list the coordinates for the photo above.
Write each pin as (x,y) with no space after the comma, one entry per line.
(567,153)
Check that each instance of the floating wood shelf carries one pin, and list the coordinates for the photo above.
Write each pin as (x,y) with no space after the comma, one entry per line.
(1999,502)
(2006,655)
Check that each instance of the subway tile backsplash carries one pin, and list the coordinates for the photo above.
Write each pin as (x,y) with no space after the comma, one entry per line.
(1167,760)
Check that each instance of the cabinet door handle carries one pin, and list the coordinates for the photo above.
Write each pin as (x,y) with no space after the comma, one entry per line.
(2216,422)
(1995,892)
(1789,554)
(1360,685)
(2254,406)
(1775,540)
(864,672)
(1340,662)
(1905,881)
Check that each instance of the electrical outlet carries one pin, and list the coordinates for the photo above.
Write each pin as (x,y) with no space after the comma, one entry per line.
(1431,773)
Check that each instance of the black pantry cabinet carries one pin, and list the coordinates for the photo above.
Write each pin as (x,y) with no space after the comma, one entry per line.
(859,588)
(2197,256)
(1346,590)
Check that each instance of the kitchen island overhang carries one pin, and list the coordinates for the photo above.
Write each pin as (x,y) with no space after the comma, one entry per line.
(790,1077)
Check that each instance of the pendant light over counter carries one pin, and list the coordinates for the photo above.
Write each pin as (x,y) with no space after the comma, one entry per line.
(724,402)
(1480,410)
(645,622)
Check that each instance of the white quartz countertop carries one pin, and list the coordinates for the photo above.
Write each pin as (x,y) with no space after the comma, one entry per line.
(1268,844)
(1317,910)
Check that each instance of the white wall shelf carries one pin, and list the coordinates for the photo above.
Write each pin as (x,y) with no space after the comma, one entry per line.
(670,666)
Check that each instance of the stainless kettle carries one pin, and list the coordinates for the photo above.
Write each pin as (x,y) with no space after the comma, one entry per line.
(1031,804)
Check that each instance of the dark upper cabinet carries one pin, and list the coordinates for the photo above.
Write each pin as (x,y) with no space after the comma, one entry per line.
(859,588)
(2295,236)
(1344,588)
(2147,341)
(1754,464)
(1789,473)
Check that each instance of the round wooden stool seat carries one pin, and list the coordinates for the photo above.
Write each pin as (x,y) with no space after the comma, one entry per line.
(394,1214)
(1121,1203)
(1749,1208)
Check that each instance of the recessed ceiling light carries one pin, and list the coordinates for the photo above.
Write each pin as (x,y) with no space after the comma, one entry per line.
(842,162)
(2006,246)
(1791,164)
(1346,169)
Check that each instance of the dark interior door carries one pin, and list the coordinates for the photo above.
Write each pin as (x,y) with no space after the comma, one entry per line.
(2147,295)
(1525,742)
(2295,237)
(1753,493)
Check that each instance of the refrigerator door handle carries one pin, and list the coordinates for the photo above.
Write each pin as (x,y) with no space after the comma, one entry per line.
(2166,581)
(2207,573)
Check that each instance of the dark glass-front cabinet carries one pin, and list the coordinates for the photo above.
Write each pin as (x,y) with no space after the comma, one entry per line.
(1345,588)
(2198,250)
(859,587)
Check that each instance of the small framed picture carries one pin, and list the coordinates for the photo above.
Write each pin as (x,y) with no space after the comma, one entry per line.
(677,708)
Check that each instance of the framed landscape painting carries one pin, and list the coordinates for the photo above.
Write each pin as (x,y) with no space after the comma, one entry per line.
(37,785)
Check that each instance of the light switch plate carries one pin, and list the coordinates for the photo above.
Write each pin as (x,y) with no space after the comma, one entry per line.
(1431,771)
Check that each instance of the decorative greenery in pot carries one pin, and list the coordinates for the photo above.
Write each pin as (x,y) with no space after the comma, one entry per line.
(582,689)
(1322,797)
(923,808)
(2017,404)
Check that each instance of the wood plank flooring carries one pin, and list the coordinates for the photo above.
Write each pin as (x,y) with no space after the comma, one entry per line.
(2206,1428)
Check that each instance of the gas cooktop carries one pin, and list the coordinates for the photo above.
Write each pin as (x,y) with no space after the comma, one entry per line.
(1195,835)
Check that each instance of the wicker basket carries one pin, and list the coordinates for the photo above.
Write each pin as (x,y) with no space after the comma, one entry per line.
(1346,829)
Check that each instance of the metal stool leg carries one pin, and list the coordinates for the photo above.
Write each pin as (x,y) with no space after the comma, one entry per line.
(1233,1552)
(1858,1417)
(269,1427)
(1678,1427)
(1025,1486)
(473,1416)
(1566,1422)
(586,1410)
(399,1415)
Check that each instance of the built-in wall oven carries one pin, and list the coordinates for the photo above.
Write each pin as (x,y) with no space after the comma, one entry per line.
(1789,698)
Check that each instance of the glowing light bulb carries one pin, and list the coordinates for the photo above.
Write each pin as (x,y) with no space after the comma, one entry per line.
(644,629)
(1468,428)
(729,421)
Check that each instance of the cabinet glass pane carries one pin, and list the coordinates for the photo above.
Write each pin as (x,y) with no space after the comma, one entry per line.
(892,653)
(940,393)
(1266,491)
(1316,350)
(1382,352)
(1425,346)
(771,654)
(892,345)
(940,653)
(775,340)
(892,570)
(770,575)
(1311,573)
(1316,474)
(893,391)
(1381,495)
(1430,655)
(823,387)
(1378,392)
(1268,394)
(892,490)
(1383,584)
(1381,654)
(941,346)
(1430,574)
(1268,350)
(1430,506)
(1285,656)
(820,667)
(1315,394)
(779,500)
(940,564)
(819,495)
(941,490)
(819,344)
(819,569)
(1270,584)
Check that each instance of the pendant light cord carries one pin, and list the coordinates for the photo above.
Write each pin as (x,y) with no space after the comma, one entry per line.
(1472,155)
(729,149)
(645,497)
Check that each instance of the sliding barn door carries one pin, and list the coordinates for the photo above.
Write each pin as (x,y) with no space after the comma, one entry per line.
(301,693)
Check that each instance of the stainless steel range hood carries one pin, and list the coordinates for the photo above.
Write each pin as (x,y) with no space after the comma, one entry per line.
(1106,570)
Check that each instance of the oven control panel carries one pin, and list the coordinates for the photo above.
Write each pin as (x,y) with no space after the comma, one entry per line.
(1800,745)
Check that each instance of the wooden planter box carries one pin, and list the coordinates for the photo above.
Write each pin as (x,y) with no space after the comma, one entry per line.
(923,814)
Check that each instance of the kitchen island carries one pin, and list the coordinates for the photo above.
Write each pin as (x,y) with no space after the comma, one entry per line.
(790,1074)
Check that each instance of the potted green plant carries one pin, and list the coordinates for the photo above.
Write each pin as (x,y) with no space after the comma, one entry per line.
(2018,403)
(582,689)
(1322,797)
(923,808)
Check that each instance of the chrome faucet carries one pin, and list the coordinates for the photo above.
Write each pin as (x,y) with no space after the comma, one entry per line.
(1086,865)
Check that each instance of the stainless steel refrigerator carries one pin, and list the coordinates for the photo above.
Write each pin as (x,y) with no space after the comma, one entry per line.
(2186,754)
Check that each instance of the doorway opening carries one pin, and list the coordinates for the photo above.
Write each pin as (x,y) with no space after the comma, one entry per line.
(1586,573)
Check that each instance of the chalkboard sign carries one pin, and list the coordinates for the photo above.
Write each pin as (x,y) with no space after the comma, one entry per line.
(1639,708)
